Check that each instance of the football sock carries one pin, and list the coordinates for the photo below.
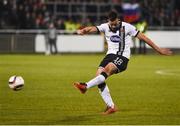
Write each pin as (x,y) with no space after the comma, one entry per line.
(105,94)
(97,80)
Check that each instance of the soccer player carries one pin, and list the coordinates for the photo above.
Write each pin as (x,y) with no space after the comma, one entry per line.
(117,57)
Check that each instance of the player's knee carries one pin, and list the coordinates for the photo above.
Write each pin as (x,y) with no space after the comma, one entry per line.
(99,71)
(108,73)
(110,70)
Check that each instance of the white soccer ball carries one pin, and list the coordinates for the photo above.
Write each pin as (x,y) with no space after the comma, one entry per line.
(16,82)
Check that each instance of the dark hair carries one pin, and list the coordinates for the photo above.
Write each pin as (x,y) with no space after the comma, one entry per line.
(112,15)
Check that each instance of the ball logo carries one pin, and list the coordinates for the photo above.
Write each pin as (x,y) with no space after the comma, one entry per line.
(115,38)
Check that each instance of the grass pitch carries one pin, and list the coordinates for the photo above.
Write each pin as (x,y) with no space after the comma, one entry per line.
(48,97)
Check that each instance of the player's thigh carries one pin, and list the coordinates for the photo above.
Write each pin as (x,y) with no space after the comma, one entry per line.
(121,63)
(110,69)
(107,59)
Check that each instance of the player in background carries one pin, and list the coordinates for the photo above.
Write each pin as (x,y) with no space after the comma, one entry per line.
(52,38)
(117,56)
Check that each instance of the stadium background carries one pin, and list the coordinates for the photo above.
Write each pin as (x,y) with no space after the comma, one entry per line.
(24,19)
(35,14)
(147,93)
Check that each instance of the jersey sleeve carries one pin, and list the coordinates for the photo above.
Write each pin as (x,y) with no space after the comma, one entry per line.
(132,31)
(101,28)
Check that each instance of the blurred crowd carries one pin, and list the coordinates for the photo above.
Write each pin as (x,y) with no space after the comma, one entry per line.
(161,12)
(34,14)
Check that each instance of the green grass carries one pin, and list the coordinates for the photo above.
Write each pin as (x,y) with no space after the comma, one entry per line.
(48,97)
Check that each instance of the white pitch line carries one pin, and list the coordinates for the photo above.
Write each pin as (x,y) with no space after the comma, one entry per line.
(168,72)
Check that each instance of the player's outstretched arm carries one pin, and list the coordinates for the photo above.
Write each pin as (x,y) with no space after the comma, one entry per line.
(87,30)
(162,51)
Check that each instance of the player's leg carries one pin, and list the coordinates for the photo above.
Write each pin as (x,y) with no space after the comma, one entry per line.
(118,64)
(104,91)
(47,51)
(109,70)
(51,45)
(106,96)
(55,46)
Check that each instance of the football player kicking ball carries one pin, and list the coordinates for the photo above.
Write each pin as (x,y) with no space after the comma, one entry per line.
(117,57)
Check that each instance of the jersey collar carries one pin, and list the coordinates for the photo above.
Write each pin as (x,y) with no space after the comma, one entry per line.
(118,28)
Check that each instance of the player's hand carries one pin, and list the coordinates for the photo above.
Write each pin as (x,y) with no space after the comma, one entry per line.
(80,32)
(165,51)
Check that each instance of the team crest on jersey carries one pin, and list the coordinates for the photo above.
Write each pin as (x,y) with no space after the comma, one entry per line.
(115,38)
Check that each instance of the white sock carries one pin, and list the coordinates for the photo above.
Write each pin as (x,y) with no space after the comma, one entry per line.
(105,94)
(96,81)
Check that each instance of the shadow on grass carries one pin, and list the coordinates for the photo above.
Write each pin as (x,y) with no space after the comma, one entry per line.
(86,119)
(77,119)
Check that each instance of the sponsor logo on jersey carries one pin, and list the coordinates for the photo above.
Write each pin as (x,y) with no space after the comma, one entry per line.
(115,38)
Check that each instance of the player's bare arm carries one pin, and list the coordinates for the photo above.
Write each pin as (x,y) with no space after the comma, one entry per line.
(162,51)
(87,30)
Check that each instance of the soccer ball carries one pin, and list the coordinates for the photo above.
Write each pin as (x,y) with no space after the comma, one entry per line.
(16,82)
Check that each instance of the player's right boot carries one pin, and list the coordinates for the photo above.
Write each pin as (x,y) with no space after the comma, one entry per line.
(110,110)
(81,87)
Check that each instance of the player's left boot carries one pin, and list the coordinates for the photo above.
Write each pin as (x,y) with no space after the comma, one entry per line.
(81,87)
(110,110)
